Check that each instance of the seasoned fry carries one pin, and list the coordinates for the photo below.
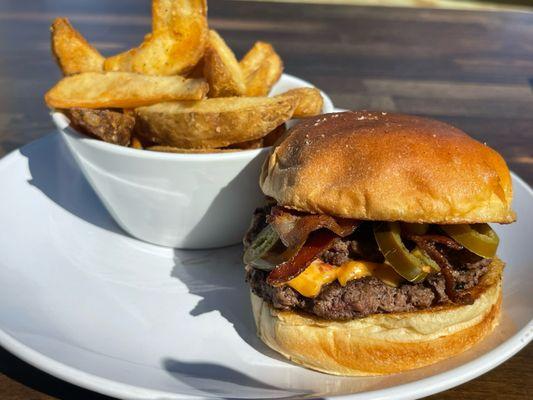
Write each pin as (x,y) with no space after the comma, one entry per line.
(176,44)
(221,69)
(309,101)
(122,90)
(72,52)
(170,13)
(170,149)
(215,122)
(262,68)
(109,126)
(136,143)
(265,141)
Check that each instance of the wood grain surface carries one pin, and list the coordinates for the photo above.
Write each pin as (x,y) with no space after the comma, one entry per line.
(473,69)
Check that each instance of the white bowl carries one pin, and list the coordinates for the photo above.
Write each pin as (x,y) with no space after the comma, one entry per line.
(176,200)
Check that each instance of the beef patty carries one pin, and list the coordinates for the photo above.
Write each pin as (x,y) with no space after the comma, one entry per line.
(369,295)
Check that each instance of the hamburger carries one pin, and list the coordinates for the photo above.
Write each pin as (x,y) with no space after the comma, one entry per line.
(373,254)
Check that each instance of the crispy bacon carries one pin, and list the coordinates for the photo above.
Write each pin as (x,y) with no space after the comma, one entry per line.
(316,243)
(427,243)
(294,227)
(440,239)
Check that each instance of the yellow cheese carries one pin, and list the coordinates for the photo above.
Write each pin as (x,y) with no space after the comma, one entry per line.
(318,273)
(351,270)
(311,280)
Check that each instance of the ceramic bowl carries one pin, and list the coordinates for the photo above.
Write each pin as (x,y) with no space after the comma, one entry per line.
(176,200)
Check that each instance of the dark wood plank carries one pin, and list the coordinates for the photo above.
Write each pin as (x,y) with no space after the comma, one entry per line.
(470,68)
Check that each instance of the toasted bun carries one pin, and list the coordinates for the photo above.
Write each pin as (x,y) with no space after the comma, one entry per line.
(382,343)
(388,167)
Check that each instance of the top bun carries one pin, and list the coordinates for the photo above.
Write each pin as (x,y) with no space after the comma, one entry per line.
(388,167)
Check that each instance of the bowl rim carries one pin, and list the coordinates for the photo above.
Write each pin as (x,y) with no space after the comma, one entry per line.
(63,124)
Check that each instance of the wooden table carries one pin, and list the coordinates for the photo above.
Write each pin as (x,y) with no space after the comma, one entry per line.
(473,69)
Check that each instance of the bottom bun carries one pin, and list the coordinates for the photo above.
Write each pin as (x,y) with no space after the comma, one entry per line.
(382,343)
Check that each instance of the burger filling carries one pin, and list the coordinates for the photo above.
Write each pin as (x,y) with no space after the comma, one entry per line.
(341,269)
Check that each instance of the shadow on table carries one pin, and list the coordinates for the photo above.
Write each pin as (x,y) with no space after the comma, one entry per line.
(55,173)
(35,379)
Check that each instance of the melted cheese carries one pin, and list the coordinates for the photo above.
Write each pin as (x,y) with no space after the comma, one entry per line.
(309,283)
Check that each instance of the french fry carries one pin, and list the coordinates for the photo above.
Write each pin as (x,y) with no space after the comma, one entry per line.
(122,90)
(211,123)
(309,101)
(262,67)
(170,13)
(269,140)
(176,44)
(170,149)
(221,68)
(107,125)
(136,143)
(72,52)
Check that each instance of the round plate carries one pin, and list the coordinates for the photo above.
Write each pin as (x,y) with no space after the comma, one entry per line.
(85,302)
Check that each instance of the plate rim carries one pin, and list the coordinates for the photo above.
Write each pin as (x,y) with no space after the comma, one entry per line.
(414,389)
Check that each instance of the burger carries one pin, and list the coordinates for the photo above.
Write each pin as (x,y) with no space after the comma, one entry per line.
(373,254)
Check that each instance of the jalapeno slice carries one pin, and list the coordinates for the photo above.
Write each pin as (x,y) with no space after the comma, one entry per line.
(480,239)
(265,240)
(404,262)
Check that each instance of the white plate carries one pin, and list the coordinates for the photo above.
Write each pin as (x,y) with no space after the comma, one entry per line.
(88,304)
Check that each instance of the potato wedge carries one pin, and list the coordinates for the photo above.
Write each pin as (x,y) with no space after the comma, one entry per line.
(107,125)
(262,67)
(170,149)
(266,141)
(136,143)
(122,90)
(72,52)
(309,101)
(176,44)
(221,69)
(170,13)
(211,123)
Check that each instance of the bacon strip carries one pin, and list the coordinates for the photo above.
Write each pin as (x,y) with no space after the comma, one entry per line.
(294,227)
(316,243)
(441,239)
(427,243)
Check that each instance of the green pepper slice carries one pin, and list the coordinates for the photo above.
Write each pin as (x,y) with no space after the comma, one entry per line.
(265,240)
(425,258)
(480,239)
(404,262)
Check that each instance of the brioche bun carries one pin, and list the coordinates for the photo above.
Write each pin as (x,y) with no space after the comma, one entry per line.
(382,343)
(388,167)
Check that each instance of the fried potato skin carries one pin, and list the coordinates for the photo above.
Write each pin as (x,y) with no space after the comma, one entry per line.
(269,140)
(72,52)
(121,90)
(107,125)
(221,69)
(262,67)
(171,149)
(309,101)
(212,123)
(176,44)
(135,142)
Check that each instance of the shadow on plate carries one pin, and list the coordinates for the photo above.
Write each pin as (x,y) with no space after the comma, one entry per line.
(55,173)
(223,382)
(242,183)
(217,277)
